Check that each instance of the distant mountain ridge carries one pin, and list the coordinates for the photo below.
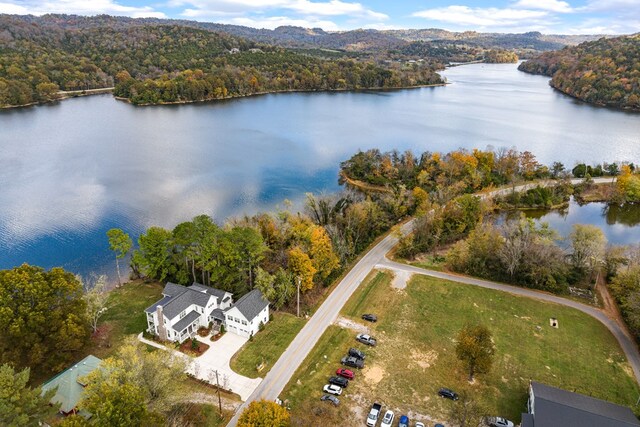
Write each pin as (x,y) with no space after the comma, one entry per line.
(299,37)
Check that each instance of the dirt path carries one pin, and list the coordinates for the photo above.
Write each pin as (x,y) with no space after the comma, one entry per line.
(610,308)
(350,324)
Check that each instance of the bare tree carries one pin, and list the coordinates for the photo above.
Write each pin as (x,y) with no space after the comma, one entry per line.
(467,412)
(517,239)
(96,298)
(588,243)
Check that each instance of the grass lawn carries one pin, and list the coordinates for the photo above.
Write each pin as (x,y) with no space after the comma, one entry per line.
(267,345)
(415,355)
(125,316)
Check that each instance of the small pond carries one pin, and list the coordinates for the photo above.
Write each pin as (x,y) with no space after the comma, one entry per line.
(620,224)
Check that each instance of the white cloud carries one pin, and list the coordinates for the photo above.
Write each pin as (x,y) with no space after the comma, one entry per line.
(550,5)
(483,17)
(622,6)
(278,21)
(256,10)
(80,7)
(14,9)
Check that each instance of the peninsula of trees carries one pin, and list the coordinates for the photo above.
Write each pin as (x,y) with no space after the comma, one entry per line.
(604,72)
(156,63)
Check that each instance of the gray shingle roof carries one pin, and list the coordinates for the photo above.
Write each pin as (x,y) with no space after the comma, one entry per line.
(162,302)
(177,298)
(182,301)
(186,321)
(171,289)
(218,314)
(251,304)
(218,293)
(557,407)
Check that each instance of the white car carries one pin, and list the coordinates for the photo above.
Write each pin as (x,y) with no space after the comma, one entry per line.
(499,422)
(333,389)
(419,424)
(387,420)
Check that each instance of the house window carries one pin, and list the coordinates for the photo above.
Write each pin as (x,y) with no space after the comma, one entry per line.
(184,313)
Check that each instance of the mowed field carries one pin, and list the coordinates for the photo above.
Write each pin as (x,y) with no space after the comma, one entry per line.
(415,356)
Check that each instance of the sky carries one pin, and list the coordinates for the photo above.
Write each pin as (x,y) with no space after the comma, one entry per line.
(514,16)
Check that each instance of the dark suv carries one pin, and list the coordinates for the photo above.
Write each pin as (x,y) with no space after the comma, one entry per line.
(342,382)
(449,394)
(354,352)
(370,317)
(353,362)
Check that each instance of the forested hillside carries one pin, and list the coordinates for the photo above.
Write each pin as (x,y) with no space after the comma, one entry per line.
(151,63)
(603,72)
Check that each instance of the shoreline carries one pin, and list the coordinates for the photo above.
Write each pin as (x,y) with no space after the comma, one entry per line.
(62,95)
(593,104)
(377,89)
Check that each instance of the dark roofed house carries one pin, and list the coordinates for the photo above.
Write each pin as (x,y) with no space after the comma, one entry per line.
(245,316)
(553,407)
(183,310)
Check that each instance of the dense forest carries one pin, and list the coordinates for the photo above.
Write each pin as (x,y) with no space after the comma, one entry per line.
(497,56)
(169,63)
(603,72)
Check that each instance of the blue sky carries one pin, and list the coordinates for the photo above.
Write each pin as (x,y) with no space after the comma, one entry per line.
(547,16)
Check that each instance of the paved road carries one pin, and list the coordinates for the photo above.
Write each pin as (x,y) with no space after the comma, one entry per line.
(303,343)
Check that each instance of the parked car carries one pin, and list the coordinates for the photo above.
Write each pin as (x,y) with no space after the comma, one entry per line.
(387,420)
(339,381)
(419,424)
(449,394)
(438,425)
(374,413)
(370,317)
(345,373)
(332,389)
(498,422)
(366,339)
(331,399)
(352,362)
(354,352)
(404,421)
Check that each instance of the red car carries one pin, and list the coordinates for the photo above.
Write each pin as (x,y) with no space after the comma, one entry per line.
(345,373)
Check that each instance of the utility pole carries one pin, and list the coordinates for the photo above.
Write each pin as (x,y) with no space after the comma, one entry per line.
(219,399)
(298,296)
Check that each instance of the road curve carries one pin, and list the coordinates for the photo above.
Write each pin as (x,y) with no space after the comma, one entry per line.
(282,371)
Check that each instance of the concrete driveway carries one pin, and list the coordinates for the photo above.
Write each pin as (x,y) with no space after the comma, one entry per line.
(217,359)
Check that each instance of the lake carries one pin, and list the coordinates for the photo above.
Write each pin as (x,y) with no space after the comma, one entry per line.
(70,171)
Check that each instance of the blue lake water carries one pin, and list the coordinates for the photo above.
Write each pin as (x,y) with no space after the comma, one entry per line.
(70,171)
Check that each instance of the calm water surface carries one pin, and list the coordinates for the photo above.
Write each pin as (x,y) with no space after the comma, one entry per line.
(70,171)
(619,223)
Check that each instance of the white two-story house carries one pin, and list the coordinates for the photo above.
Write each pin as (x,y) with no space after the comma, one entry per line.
(183,310)
(245,316)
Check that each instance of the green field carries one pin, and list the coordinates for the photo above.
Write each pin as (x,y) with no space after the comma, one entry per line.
(415,356)
(125,316)
(267,345)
